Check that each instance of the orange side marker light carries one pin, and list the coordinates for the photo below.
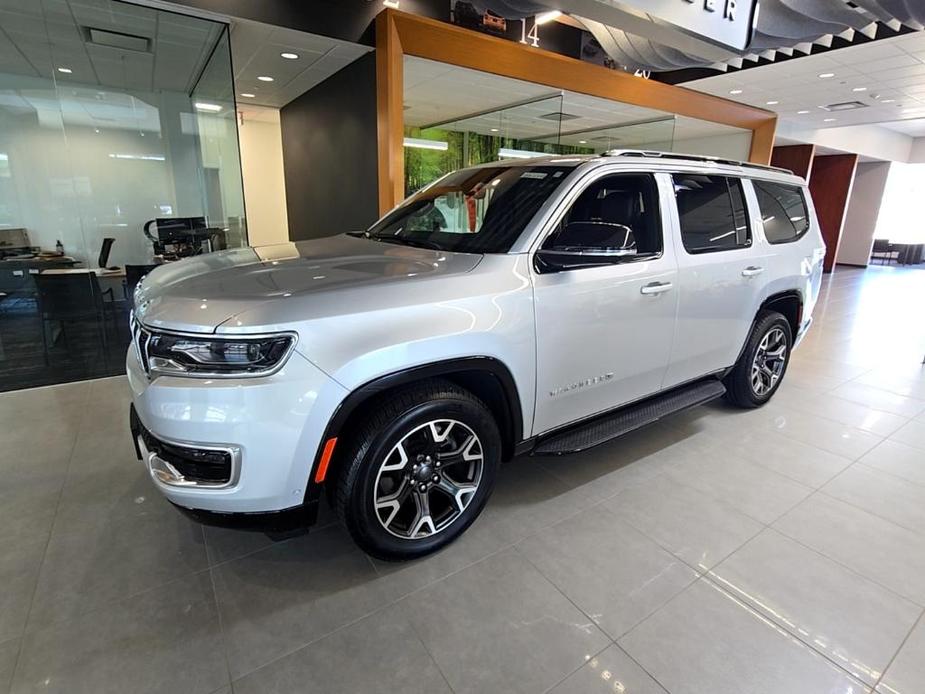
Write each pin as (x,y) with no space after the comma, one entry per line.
(326,456)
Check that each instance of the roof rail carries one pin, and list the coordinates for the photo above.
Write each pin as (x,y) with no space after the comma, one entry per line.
(690,157)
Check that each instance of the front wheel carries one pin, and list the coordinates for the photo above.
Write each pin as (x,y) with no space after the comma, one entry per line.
(418,471)
(763,363)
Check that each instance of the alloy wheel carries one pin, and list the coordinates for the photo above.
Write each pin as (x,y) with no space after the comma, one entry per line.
(428,479)
(768,363)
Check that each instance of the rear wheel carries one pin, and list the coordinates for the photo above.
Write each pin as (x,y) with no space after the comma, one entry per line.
(758,373)
(419,470)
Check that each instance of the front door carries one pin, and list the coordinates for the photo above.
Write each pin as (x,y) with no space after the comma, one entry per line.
(604,333)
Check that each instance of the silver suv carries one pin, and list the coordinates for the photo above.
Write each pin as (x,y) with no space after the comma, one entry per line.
(538,306)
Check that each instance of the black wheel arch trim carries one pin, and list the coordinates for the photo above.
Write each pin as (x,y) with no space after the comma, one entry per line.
(787,294)
(512,428)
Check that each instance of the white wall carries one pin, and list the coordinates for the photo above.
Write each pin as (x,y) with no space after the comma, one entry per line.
(866,140)
(864,208)
(264,184)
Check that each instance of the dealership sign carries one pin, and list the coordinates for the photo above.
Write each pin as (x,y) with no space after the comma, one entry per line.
(728,23)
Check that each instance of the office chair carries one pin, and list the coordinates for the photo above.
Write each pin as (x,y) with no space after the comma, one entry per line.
(68,299)
(103,260)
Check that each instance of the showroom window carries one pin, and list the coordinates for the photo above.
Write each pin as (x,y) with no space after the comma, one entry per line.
(711,210)
(783,211)
(615,213)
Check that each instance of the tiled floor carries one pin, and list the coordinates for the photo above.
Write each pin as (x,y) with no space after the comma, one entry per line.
(780,550)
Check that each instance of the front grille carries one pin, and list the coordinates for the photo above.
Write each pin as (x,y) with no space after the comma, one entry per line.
(140,338)
(202,465)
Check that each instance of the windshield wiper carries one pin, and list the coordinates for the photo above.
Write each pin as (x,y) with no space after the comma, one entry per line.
(402,241)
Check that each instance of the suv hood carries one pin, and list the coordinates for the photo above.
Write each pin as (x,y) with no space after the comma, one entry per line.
(199,294)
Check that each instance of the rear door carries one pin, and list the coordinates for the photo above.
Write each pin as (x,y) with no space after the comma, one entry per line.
(603,334)
(721,273)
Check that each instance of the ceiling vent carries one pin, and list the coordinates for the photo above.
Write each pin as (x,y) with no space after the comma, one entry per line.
(844,106)
(560,116)
(116,39)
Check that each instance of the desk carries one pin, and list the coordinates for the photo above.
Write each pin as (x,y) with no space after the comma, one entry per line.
(98,271)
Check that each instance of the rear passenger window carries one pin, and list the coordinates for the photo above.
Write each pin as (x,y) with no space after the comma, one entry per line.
(783,211)
(712,213)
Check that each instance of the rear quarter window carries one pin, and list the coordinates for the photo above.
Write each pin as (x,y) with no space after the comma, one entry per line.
(784,214)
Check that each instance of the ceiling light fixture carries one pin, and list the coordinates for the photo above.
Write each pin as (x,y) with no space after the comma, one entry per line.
(289,56)
(494,130)
(887,101)
(829,120)
(393,4)
(505,153)
(859,89)
(264,78)
(65,70)
(418,143)
(546,17)
(826,75)
(735,91)
(204,106)
(582,142)
(772,103)
(247,95)
(802,113)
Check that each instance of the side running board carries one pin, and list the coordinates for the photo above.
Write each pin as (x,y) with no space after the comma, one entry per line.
(601,429)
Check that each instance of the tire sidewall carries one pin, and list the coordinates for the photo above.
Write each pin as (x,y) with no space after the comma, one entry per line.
(361,516)
(763,328)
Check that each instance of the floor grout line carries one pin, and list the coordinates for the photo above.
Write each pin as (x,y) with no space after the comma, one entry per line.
(898,651)
(38,573)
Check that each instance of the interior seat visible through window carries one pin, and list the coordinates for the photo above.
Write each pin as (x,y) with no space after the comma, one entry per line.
(617,213)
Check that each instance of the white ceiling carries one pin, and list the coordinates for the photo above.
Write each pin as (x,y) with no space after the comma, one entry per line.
(39,36)
(437,92)
(256,49)
(890,74)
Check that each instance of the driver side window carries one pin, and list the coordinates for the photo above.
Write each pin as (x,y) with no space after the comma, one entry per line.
(617,215)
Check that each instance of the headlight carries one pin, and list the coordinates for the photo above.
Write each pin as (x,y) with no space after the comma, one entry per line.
(201,356)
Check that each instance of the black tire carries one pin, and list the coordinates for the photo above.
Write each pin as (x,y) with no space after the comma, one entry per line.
(390,421)
(740,390)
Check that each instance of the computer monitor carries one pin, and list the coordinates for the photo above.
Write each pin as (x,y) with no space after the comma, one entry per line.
(171,229)
(103,260)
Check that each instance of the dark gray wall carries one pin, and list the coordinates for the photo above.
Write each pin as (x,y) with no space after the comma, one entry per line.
(330,154)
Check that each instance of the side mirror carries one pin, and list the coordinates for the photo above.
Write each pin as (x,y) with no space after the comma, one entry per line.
(559,259)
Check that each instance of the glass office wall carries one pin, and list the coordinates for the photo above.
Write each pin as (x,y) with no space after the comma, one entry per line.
(100,137)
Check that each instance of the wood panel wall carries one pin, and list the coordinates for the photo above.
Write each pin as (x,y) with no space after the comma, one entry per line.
(796,158)
(830,185)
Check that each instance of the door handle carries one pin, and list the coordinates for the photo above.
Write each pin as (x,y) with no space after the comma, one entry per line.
(655,287)
(752,270)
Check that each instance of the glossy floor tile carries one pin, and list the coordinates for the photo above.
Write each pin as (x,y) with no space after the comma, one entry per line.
(721,551)
(851,620)
(705,641)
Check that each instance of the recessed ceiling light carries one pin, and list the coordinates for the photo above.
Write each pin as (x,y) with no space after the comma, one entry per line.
(826,75)
(772,103)
(205,106)
(264,78)
(802,113)
(494,130)
(582,142)
(289,56)
(829,120)
(65,70)
(859,89)
(887,101)
(391,3)
(735,91)
(247,95)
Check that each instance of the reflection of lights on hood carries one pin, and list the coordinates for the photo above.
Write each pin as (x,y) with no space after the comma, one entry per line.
(418,143)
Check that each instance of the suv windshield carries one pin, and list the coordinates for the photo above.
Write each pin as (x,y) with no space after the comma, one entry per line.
(481,210)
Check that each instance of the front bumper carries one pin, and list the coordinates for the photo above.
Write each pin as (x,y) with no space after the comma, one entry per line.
(232,445)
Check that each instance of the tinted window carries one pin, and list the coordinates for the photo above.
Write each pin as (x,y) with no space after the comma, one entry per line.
(712,213)
(783,211)
(480,210)
(614,214)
